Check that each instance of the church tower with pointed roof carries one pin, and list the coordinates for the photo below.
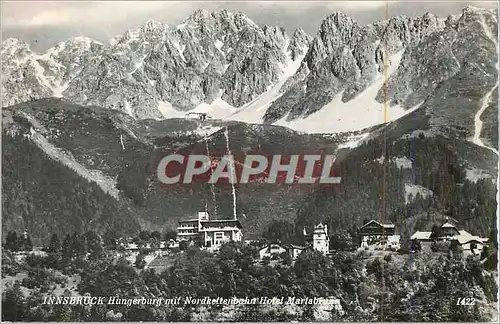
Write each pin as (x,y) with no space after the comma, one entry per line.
(321,241)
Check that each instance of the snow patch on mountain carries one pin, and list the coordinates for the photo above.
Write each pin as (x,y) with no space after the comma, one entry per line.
(218,44)
(253,112)
(180,48)
(206,130)
(478,123)
(354,141)
(361,112)
(402,162)
(168,111)
(128,109)
(411,191)
(218,109)
(39,72)
(474,175)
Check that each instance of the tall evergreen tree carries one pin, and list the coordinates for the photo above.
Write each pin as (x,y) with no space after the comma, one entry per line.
(55,244)
(12,241)
(27,244)
(78,245)
(13,304)
(94,244)
(67,248)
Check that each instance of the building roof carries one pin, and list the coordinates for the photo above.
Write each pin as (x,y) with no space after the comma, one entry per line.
(300,247)
(453,220)
(421,236)
(379,224)
(272,246)
(209,223)
(463,239)
(196,113)
(320,228)
(464,232)
(188,220)
(448,225)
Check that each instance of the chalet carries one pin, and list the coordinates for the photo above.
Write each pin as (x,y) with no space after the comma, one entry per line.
(274,250)
(375,234)
(211,233)
(449,232)
(295,250)
(194,115)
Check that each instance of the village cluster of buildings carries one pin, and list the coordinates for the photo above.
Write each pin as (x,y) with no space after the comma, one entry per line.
(374,235)
(214,233)
(319,241)
(377,235)
(448,232)
(211,234)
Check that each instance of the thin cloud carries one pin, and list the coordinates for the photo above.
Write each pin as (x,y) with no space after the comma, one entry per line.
(34,14)
(43,24)
(67,13)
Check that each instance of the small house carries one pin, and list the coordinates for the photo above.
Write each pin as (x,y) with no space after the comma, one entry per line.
(376,234)
(195,115)
(272,250)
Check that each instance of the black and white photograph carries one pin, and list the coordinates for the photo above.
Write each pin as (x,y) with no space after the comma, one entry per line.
(249,161)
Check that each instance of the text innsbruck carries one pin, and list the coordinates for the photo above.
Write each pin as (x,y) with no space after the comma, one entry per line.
(189,301)
(299,168)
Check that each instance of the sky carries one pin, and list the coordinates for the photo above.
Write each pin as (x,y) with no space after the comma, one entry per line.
(45,23)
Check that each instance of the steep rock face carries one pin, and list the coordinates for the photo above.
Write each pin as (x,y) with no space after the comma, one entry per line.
(458,96)
(208,56)
(344,58)
(20,74)
(299,44)
(224,61)
(450,67)
(29,75)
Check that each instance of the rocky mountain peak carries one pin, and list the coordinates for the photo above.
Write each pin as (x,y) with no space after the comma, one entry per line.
(217,21)
(337,22)
(299,43)
(199,16)
(337,29)
(14,46)
(153,25)
(12,42)
(223,59)
(78,43)
(467,10)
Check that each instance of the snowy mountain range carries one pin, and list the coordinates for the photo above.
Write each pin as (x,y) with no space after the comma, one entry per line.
(87,159)
(224,64)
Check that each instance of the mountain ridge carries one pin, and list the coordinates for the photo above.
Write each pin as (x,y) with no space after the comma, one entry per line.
(220,62)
